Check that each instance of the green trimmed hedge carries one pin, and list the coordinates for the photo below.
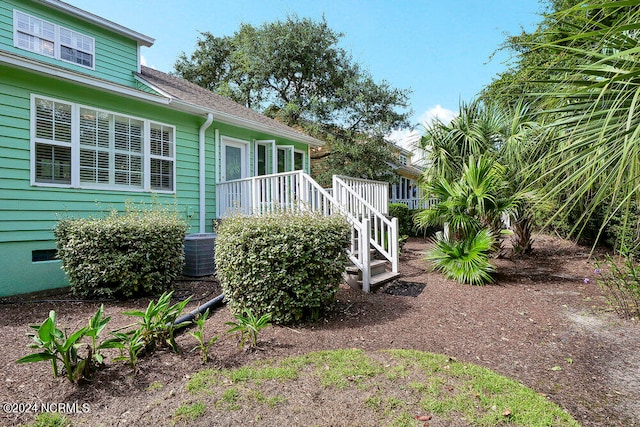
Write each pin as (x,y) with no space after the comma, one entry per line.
(122,255)
(287,264)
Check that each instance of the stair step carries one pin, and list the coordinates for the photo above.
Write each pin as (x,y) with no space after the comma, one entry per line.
(376,281)
(385,277)
(377,265)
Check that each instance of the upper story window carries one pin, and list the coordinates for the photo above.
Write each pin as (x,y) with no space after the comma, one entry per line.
(44,38)
(82,147)
(403,160)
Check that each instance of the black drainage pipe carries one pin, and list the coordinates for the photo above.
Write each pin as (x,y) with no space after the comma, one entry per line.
(189,317)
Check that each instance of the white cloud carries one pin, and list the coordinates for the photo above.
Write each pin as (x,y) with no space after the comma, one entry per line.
(404,137)
(437,113)
(408,138)
(143,61)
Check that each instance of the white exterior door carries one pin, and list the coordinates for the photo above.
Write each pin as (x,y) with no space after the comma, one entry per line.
(234,160)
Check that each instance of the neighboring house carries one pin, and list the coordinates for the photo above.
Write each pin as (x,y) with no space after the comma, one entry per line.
(406,190)
(85,128)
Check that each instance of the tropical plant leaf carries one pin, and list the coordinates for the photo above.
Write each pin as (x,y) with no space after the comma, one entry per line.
(36,357)
(465,261)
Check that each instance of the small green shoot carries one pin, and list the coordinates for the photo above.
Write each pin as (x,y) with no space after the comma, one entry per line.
(96,324)
(248,326)
(189,413)
(157,322)
(155,386)
(130,344)
(49,419)
(203,344)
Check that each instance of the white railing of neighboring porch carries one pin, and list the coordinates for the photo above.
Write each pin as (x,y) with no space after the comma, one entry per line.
(298,191)
(384,231)
(417,203)
(376,193)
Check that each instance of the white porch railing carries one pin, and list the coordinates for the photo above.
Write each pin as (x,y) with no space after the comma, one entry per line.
(384,231)
(376,193)
(268,193)
(417,203)
(298,191)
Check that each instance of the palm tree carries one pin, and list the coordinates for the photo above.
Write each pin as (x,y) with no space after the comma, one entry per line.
(595,163)
(475,131)
(509,135)
(471,208)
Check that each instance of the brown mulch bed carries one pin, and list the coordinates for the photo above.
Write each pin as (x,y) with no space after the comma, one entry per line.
(541,323)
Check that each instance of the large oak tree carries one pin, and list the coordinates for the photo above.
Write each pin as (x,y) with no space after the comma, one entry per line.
(295,71)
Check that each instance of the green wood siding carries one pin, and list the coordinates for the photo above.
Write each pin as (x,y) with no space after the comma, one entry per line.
(116,57)
(29,213)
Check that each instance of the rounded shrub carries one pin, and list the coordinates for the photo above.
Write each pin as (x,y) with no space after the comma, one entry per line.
(122,255)
(286,264)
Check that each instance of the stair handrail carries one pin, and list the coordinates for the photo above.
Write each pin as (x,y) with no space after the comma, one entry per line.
(375,192)
(359,251)
(383,227)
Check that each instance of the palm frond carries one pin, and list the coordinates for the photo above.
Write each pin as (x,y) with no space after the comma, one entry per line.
(466,261)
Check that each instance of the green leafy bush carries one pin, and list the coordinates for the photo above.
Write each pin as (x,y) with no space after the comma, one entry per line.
(287,264)
(405,218)
(125,254)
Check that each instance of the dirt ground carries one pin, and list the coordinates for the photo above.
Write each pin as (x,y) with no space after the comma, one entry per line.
(541,323)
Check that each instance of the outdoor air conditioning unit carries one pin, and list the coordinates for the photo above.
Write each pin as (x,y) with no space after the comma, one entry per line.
(199,253)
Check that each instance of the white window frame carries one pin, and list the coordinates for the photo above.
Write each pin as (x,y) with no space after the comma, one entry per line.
(75,150)
(238,143)
(56,40)
(404,160)
(304,160)
(268,144)
(288,150)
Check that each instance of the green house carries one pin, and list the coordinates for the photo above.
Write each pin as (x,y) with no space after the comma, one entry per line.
(85,128)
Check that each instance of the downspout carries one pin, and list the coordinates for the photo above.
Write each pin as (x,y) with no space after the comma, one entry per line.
(203,163)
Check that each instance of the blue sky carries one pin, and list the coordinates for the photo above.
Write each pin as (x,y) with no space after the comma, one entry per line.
(439,48)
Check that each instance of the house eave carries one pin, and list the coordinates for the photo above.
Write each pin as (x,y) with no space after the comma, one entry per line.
(97,20)
(410,171)
(82,79)
(230,119)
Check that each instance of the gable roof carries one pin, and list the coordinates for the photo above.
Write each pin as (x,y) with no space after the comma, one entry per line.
(190,97)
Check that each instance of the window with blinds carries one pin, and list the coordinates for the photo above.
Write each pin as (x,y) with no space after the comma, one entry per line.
(161,156)
(45,38)
(109,148)
(52,144)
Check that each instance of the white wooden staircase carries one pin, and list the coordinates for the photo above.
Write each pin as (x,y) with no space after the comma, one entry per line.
(374,249)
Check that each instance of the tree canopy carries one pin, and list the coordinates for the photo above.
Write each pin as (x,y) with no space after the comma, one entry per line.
(294,70)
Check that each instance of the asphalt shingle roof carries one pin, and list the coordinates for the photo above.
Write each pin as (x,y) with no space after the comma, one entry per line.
(185,91)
